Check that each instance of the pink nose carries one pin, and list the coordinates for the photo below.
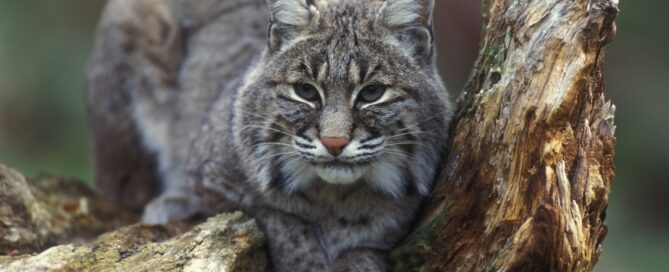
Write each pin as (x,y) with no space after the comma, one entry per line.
(334,144)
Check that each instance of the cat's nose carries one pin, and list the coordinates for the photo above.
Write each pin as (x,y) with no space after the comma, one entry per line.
(334,144)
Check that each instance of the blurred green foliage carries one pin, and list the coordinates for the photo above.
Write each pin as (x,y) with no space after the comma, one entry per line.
(44,45)
(43,50)
(637,80)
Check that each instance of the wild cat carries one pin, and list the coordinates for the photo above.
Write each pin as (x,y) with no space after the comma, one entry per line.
(328,130)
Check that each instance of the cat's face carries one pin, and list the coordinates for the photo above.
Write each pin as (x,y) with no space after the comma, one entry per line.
(344,104)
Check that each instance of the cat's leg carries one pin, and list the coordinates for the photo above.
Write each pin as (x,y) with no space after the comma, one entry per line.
(361,260)
(293,244)
(125,171)
(132,78)
(171,206)
(178,200)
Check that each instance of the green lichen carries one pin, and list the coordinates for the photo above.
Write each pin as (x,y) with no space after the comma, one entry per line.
(485,8)
(416,249)
(495,55)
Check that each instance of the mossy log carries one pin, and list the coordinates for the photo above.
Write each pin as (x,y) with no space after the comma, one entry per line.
(525,185)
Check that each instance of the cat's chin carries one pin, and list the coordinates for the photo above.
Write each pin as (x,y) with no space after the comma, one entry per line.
(340,175)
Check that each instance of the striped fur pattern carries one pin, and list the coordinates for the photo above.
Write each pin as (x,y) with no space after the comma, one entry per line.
(326,122)
(325,211)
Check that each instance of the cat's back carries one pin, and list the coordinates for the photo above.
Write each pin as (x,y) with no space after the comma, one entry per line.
(156,68)
(222,39)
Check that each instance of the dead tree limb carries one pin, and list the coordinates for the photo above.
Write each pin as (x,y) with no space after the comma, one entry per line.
(524,187)
(526,183)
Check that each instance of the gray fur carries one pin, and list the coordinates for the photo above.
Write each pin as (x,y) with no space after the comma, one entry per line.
(234,127)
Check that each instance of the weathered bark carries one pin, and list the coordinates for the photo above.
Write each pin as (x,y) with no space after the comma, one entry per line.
(525,186)
(227,242)
(47,211)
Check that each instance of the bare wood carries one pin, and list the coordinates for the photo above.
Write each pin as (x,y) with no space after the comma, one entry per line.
(526,184)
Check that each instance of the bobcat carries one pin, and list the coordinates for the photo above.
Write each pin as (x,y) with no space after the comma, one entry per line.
(328,130)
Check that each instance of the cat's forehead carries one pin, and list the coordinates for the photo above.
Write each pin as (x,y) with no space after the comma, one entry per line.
(347,13)
(342,58)
(343,44)
(335,4)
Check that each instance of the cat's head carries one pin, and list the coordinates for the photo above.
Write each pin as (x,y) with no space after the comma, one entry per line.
(346,92)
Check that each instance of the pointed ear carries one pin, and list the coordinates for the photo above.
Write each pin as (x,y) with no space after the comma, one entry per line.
(410,22)
(288,19)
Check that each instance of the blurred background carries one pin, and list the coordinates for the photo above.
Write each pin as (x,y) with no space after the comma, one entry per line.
(44,46)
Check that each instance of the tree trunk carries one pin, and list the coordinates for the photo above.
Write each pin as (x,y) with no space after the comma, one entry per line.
(525,185)
(524,188)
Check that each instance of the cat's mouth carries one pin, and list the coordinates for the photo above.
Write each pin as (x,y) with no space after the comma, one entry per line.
(340,172)
(339,162)
(342,164)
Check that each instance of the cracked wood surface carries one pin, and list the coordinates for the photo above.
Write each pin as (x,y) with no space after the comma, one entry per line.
(525,186)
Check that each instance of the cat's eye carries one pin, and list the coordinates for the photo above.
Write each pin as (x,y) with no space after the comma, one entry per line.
(371,93)
(306,91)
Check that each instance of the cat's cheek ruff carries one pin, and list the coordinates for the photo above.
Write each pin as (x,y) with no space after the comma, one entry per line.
(299,174)
(387,177)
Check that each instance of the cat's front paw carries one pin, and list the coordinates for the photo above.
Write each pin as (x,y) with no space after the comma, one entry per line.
(171,206)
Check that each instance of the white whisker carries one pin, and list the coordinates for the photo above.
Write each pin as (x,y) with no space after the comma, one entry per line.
(280,154)
(272,144)
(406,143)
(265,118)
(401,153)
(422,122)
(293,160)
(270,128)
(266,159)
(408,133)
